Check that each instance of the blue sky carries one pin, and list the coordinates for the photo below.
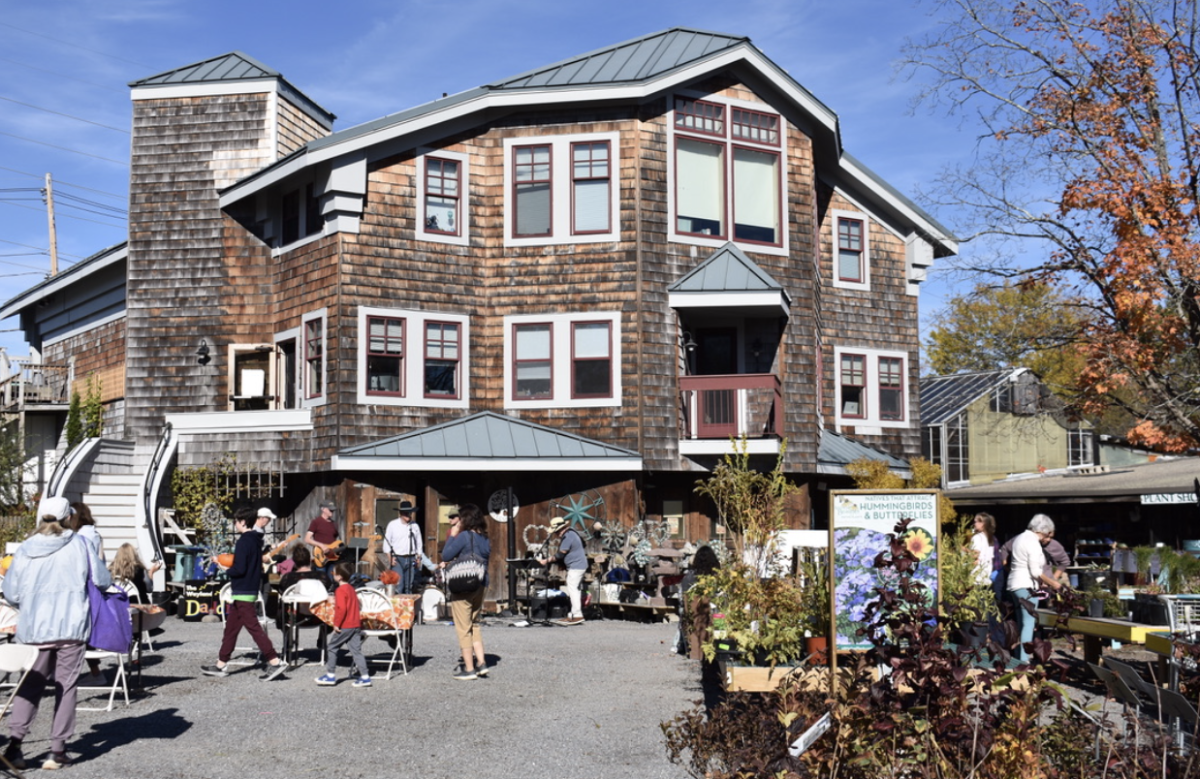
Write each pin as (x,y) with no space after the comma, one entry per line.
(65,64)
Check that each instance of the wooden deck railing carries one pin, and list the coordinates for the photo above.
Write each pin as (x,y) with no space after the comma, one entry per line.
(749,404)
(34,385)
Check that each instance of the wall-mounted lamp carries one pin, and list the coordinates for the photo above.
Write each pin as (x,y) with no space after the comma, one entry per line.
(689,345)
(202,353)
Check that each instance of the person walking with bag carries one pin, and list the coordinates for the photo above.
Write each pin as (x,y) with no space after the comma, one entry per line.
(465,560)
(47,582)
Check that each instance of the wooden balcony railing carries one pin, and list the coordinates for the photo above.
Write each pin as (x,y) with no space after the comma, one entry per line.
(34,385)
(749,404)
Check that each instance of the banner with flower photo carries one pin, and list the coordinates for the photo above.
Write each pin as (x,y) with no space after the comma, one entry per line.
(860,523)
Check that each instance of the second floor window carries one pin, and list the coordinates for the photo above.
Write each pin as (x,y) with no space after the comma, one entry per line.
(891,388)
(443,189)
(314,358)
(385,356)
(441,359)
(532,361)
(590,182)
(854,384)
(532,190)
(850,250)
(591,360)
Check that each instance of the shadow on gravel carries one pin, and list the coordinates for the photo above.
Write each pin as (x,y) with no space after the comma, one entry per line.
(105,736)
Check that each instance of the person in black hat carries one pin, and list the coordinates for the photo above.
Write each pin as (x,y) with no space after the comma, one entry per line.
(402,543)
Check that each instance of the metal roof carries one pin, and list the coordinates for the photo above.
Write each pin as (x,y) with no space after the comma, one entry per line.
(839,451)
(1127,482)
(488,440)
(234,66)
(943,397)
(71,275)
(727,270)
(636,60)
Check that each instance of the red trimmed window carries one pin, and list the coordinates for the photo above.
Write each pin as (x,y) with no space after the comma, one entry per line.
(532,190)
(850,249)
(591,182)
(755,126)
(891,388)
(442,349)
(699,116)
(532,374)
(591,360)
(755,196)
(443,191)
(385,356)
(700,187)
(314,358)
(854,386)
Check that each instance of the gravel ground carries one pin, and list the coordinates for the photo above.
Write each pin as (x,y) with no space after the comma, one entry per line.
(560,703)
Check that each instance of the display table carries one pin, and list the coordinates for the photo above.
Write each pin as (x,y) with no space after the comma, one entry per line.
(400,616)
(1096,629)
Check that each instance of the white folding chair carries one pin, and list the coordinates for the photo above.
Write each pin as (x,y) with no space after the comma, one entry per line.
(15,659)
(8,622)
(120,680)
(372,600)
(297,602)
(261,614)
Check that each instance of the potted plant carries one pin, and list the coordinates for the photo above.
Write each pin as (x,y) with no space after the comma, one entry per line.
(815,604)
(762,618)
(967,602)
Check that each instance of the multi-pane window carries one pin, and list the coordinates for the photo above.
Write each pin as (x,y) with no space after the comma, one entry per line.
(532,190)
(854,386)
(443,191)
(957,450)
(850,249)
(891,388)
(314,358)
(721,180)
(532,349)
(385,356)
(591,360)
(442,348)
(1079,447)
(591,179)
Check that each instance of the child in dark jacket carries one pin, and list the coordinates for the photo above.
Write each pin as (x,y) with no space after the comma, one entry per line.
(245,579)
(346,630)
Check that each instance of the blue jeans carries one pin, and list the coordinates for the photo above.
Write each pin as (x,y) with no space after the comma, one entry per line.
(406,566)
(1025,621)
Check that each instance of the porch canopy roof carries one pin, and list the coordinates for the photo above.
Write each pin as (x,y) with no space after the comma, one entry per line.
(1104,484)
(730,280)
(487,441)
(837,451)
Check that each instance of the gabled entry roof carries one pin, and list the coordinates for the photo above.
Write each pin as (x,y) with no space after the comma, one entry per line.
(728,279)
(487,441)
(837,451)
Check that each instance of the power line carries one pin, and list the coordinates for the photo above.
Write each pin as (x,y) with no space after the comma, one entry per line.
(93,203)
(109,87)
(69,216)
(41,177)
(74,45)
(69,116)
(64,148)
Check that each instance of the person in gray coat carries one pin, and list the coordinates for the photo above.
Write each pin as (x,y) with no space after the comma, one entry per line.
(47,583)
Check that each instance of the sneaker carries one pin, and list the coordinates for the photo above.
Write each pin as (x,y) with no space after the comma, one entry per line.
(274,671)
(571,621)
(328,680)
(214,670)
(56,760)
(466,676)
(362,681)
(13,755)
(93,680)
(481,670)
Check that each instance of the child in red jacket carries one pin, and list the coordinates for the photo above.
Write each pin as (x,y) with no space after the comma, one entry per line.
(347,630)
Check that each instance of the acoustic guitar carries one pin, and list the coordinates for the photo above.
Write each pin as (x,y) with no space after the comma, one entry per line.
(266,558)
(321,556)
(371,557)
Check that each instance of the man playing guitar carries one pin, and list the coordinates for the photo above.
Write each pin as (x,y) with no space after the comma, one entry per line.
(322,536)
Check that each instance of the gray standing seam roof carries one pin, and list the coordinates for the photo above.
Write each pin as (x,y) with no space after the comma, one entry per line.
(635,60)
(727,270)
(234,66)
(836,449)
(943,397)
(490,436)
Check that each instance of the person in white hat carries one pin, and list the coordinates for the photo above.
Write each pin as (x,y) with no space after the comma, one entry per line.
(573,556)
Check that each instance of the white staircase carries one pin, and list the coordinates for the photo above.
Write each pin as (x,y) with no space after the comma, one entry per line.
(113,498)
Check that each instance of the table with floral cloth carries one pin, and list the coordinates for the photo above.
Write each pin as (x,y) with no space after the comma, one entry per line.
(399,617)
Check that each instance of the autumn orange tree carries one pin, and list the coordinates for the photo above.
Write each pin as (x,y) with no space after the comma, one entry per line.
(1091,152)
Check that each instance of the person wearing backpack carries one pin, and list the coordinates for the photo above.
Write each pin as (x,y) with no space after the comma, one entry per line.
(572,556)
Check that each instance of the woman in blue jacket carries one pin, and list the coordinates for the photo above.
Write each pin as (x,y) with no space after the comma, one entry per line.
(47,582)
(465,607)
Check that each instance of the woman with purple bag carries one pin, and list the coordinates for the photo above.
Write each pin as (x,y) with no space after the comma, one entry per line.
(47,582)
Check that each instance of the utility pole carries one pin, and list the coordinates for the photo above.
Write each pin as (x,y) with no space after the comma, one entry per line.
(49,192)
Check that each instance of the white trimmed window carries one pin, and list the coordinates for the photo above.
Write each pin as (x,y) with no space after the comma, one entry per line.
(872,388)
(443,205)
(560,190)
(314,366)
(412,358)
(726,167)
(562,360)
(851,250)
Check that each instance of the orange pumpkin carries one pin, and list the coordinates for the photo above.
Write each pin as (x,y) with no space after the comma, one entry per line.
(225,560)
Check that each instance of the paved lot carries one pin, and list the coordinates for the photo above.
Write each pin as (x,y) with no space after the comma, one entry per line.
(560,703)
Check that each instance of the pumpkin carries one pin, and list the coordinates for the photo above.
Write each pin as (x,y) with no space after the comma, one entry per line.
(225,560)
(389,577)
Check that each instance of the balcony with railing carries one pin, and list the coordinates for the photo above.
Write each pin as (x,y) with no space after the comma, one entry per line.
(717,407)
(32,385)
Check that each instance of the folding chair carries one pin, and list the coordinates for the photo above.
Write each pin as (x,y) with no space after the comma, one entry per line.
(8,622)
(261,613)
(297,602)
(15,659)
(374,601)
(120,677)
